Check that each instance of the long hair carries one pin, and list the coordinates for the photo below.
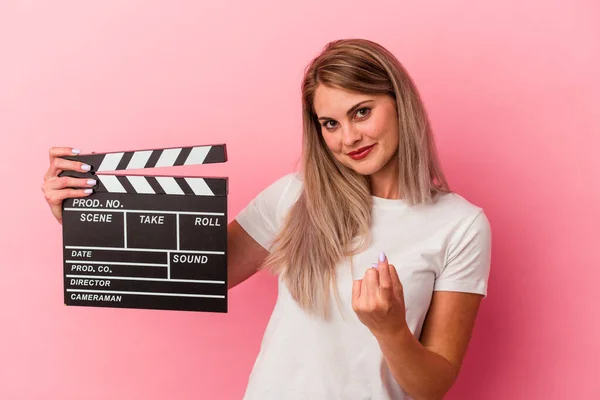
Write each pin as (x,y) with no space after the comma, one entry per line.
(331,219)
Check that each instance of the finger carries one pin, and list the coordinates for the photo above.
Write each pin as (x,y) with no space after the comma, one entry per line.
(60,164)
(56,197)
(371,280)
(396,283)
(54,153)
(68,182)
(382,259)
(363,288)
(385,280)
(62,151)
(356,286)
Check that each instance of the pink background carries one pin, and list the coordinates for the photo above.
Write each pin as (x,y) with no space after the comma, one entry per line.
(512,90)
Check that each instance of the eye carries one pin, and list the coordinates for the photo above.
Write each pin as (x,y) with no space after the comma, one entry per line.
(363,112)
(329,124)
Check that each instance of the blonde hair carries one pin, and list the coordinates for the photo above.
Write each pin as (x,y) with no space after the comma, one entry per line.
(331,219)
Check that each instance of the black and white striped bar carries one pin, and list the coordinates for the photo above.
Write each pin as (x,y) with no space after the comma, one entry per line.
(161,185)
(143,159)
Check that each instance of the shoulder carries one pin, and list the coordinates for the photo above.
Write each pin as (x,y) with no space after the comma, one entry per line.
(453,206)
(465,219)
(453,214)
(284,189)
(290,181)
(264,214)
(274,200)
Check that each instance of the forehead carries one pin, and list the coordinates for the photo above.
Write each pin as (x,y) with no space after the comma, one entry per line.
(332,101)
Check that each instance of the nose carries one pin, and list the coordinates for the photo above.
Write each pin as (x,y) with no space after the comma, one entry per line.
(350,135)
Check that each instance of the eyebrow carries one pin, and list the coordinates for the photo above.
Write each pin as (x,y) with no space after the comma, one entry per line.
(351,110)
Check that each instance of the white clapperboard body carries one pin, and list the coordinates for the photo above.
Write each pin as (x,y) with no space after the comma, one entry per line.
(151,242)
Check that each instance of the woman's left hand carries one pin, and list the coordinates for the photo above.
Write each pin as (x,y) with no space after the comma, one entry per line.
(378,299)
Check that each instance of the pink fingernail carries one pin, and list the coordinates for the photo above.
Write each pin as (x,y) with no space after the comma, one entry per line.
(382,257)
(374,265)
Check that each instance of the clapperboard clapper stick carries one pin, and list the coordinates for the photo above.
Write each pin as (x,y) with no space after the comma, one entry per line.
(150,242)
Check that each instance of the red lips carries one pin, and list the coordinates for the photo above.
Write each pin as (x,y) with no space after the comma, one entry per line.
(360,153)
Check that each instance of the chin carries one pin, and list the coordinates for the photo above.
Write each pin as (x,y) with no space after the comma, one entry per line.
(364,168)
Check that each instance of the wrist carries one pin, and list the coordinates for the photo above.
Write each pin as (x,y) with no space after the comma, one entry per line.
(400,332)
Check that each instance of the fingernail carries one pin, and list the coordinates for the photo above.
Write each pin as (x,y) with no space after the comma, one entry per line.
(91,182)
(75,151)
(381,257)
(88,191)
(374,265)
(85,167)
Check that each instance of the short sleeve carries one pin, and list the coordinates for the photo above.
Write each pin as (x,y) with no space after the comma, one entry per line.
(261,218)
(468,265)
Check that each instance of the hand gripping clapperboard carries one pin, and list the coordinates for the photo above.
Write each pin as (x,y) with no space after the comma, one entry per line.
(151,242)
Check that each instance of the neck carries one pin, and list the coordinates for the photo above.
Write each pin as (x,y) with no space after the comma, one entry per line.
(385,183)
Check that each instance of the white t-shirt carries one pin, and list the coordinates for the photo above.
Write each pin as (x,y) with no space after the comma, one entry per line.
(445,246)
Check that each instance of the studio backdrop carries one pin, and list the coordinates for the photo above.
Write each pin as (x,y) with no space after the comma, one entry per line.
(511,88)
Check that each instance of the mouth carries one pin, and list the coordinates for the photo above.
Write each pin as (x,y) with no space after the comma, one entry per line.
(360,153)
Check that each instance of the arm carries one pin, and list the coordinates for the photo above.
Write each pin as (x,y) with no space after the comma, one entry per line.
(251,232)
(428,369)
(244,255)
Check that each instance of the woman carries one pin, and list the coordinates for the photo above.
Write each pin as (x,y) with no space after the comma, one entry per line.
(347,323)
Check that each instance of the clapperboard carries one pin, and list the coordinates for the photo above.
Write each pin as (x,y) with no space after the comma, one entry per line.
(151,242)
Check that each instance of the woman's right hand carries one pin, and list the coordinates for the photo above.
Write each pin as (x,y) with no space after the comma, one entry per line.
(56,189)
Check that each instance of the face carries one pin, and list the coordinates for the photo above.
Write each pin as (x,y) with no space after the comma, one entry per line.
(360,130)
